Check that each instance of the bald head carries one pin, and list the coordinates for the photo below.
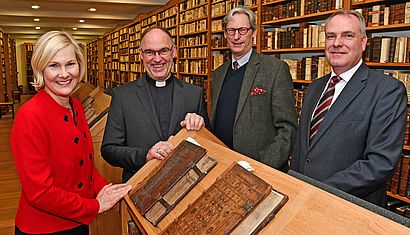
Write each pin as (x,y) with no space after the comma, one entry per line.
(156,31)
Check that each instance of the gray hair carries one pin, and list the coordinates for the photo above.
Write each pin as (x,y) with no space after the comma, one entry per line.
(241,10)
(362,22)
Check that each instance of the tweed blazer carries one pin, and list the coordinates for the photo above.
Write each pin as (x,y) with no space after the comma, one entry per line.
(265,121)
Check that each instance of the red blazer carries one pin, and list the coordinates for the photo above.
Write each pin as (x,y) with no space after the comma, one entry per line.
(54,158)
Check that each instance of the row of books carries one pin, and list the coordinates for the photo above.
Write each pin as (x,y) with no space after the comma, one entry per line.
(221,8)
(308,68)
(199,81)
(388,50)
(403,76)
(305,36)
(399,183)
(193,27)
(299,95)
(193,14)
(219,41)
(194,66)
(193,40)
(298,8)
(193,52)
(219,57)
(378,15)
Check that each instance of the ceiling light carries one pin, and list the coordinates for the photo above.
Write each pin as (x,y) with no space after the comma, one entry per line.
(92,9)
(74,28)
(81,21)
(36,19)
(37,27)
(35,7)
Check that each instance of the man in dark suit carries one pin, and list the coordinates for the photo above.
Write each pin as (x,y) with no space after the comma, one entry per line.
(355,144)
(253,110)
(146,112)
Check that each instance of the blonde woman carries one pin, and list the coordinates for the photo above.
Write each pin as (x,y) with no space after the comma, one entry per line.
(62,191)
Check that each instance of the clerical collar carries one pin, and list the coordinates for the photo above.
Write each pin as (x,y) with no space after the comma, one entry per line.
(160,84)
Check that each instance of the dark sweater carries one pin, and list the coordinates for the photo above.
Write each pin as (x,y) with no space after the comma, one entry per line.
(227,105)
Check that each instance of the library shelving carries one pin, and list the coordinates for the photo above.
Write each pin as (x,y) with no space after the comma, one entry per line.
(3,91)
(28,52)
(8,74)
(8,68)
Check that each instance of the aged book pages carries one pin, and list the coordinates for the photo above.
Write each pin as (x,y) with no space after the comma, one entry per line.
(177,175)
(226,204)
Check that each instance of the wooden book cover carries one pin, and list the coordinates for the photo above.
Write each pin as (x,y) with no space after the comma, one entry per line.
(178,174)
(237,197)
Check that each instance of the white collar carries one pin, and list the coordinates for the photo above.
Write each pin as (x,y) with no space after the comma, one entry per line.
(346,76)
(243,60)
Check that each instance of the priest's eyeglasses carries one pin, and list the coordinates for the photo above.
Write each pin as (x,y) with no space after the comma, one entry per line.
(241,31)
(163,52)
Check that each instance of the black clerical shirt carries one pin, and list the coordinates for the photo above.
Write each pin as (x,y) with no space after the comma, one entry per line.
(162,99)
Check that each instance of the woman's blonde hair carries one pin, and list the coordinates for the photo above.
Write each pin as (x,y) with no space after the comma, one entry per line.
(46,48)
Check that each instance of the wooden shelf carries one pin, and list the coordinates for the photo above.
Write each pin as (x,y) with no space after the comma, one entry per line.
(199,5)
(199,45)
(388,65)
(193,20)
(302,81)
(404,199)
(219,48)
(388,28)
(364,3)
(273,2)
(193,58)
(196,74)
(193,33)
(294,50)
(296,19)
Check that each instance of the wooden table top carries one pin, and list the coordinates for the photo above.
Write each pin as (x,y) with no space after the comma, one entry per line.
(309,210)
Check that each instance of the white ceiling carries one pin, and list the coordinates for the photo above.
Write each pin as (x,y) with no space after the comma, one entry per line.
(17,17)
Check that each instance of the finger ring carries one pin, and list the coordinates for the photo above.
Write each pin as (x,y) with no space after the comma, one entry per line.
(159,150)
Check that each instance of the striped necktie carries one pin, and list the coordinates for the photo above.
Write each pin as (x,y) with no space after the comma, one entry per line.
(323,107)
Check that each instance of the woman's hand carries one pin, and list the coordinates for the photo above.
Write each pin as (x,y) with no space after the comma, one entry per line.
(111,194)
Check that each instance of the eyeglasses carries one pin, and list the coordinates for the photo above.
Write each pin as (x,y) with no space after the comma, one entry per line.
(163,52)
(241,31)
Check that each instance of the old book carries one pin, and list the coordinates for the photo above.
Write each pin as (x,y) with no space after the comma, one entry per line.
(238,202)
(177,175)
(262,214)
(394,183)
(404,175)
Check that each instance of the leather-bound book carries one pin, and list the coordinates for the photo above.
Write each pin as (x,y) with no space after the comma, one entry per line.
(238,202)
(176,176)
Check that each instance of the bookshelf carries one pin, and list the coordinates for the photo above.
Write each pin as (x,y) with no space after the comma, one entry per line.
(3,90)
(13,64)
(95,61)
(8,68)
(134,58)
(28,52)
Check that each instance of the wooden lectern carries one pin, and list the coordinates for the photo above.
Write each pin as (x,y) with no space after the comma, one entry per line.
(309,210)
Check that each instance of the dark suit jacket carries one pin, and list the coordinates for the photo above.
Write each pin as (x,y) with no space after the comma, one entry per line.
(133,127)
(265,124)
(361,137)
